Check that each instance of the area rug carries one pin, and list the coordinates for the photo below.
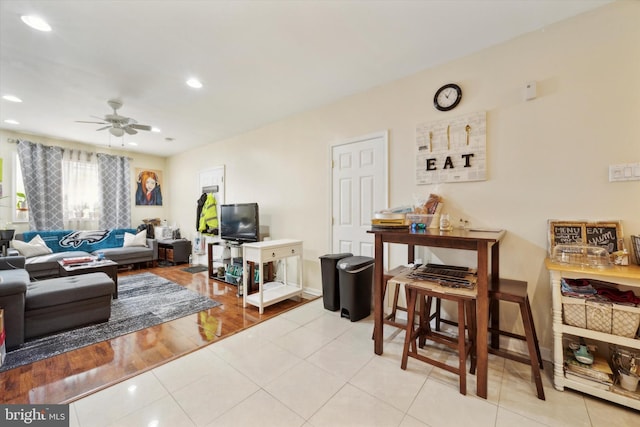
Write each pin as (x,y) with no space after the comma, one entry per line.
(144,300)
(195,269)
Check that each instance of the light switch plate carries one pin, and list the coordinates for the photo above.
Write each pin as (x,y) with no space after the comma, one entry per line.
(624,172)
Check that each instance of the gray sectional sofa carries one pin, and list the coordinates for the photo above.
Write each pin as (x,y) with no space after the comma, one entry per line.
(33,309)
(71,244)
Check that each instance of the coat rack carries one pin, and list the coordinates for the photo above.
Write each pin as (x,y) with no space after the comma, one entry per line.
(210,189)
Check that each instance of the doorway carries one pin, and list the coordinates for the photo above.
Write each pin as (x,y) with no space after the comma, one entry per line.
(359,187)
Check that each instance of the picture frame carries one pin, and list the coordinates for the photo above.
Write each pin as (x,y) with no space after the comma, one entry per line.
(148,183)
(605,234)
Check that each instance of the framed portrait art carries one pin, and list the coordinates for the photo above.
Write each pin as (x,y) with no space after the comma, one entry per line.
(148,192)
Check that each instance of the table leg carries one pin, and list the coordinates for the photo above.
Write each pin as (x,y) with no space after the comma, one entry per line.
(378,290)
(113,273)
(482,319)
(495,305)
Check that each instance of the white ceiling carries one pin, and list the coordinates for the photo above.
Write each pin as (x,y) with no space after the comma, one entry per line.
(259,61)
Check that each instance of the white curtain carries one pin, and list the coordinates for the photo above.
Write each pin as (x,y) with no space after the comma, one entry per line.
(81,194)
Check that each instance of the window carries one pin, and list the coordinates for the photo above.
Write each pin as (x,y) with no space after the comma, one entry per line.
(80,195)
(21,211)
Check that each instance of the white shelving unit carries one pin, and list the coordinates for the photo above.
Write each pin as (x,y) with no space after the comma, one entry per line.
(628,277)
(268,251)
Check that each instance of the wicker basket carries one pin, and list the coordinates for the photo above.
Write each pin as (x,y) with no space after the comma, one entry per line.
(599,316)
(625,320)
(574,312)
(616,319)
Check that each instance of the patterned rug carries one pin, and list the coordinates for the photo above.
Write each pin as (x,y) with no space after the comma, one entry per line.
(144,300)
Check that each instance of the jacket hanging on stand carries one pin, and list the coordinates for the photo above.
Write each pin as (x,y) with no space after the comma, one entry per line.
(209,216)
(201,202)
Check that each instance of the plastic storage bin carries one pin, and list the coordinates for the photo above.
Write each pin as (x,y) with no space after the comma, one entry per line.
(330,280)
(356,282)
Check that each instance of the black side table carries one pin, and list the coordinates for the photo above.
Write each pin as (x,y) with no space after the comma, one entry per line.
(176,251)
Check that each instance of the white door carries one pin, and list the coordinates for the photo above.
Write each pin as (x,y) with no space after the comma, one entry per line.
(213,177)
(209,180)
(359,188)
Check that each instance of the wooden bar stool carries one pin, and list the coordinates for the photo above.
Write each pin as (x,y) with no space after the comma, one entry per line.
(390,319)
(423,292)
(514,291)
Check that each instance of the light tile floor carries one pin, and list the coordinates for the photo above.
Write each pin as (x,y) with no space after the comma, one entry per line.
(309,367)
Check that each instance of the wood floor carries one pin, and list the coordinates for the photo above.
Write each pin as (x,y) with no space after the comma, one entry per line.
(69,376)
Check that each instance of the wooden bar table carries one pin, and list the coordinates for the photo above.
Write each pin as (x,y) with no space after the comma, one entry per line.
(472,240)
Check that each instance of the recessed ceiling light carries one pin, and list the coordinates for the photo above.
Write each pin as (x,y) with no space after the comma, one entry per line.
(36,22)
(155,129)
(133,144)
(11,98)
(12,122)
(194,83)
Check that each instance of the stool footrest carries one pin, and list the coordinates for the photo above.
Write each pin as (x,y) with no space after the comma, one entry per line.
(510,355)
(437,363)
(508,334)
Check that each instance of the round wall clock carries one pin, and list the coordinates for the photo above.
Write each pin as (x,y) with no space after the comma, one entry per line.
(447,97)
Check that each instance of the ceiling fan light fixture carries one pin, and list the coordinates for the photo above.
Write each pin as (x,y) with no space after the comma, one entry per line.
(36,23)
(155,129)
(12,122)
(116,131)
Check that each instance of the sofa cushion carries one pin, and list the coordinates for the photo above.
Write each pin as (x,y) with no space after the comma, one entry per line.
(47,265)
(129,255)
(35,247)
(131,240)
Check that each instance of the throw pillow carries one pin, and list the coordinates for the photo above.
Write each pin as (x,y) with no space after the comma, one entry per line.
(35,247)
(139,239)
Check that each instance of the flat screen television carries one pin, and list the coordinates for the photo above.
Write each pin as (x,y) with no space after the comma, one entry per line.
(239,222)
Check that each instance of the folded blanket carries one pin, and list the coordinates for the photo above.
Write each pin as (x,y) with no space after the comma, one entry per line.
(616,295)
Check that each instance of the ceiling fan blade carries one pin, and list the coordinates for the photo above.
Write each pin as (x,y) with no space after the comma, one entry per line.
(96,123)
(130,130)
(140,127)
(106,127)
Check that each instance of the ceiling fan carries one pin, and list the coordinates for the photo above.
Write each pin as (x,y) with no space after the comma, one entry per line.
(116,123)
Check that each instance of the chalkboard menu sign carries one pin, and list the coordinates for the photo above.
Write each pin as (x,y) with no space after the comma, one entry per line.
(606,234)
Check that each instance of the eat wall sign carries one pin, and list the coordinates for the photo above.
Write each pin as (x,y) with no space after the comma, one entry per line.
(452,150)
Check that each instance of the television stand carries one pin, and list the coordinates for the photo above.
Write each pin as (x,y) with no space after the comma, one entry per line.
(213,273)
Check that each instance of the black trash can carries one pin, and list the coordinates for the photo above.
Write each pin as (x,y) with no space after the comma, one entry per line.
(330,287)
(356,282)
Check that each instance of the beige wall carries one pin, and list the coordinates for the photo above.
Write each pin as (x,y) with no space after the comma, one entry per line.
(8,152)
(547,158)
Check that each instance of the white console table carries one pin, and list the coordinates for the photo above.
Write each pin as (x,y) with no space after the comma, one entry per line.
(268,251)
(628,277)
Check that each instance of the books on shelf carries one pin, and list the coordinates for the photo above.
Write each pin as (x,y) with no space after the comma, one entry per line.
(598,371)
(573,376)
